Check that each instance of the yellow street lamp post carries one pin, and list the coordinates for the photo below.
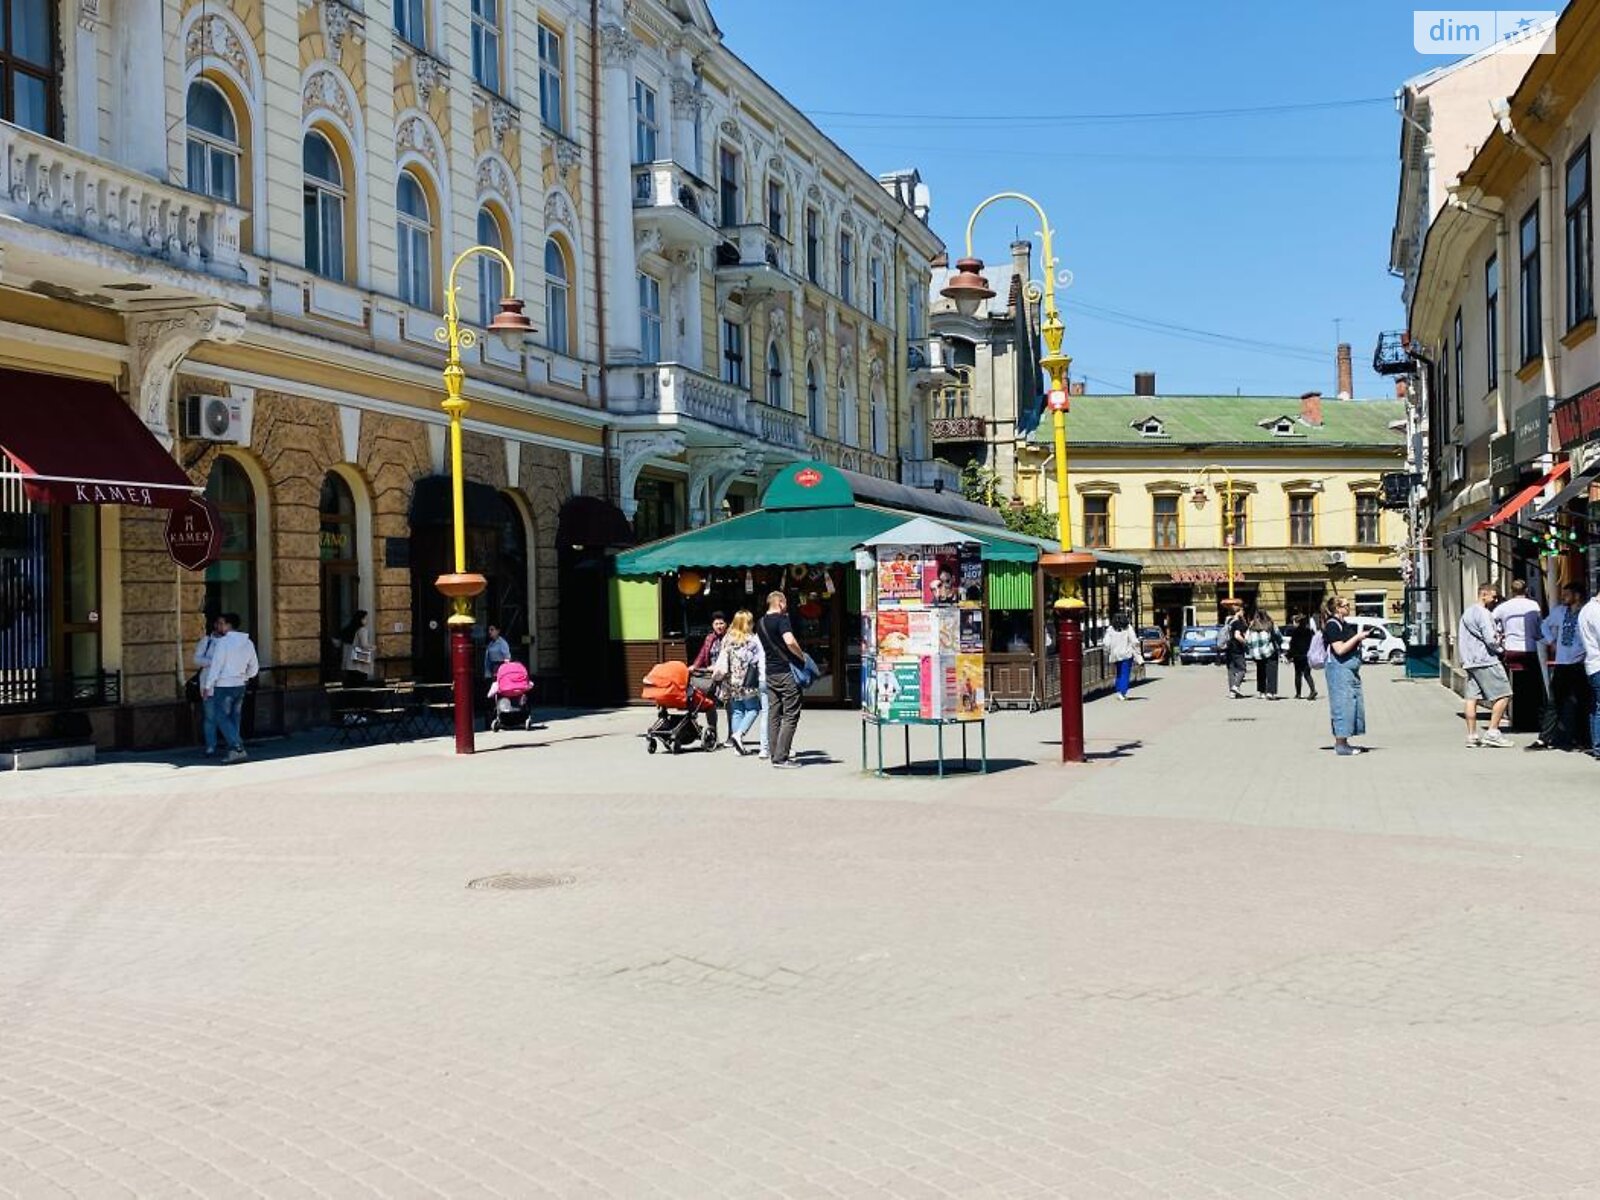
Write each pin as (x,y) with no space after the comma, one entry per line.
(968,289)
(460,585)
(1229,516)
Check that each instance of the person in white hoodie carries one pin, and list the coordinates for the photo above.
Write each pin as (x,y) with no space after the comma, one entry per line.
(1121,643)
(1589,631)
(233,664)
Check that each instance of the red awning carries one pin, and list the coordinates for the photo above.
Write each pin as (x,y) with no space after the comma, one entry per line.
(74,441)
(1520,501)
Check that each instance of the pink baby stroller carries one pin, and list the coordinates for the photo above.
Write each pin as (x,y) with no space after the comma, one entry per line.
(512,693)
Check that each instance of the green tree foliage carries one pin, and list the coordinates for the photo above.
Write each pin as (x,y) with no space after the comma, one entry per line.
(981,485)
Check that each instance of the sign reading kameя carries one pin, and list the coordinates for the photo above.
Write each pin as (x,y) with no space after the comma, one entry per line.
(194,534)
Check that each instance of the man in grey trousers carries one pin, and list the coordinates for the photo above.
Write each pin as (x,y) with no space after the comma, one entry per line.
(781,651)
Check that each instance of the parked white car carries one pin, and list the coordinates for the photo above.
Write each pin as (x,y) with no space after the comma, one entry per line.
(1383,643)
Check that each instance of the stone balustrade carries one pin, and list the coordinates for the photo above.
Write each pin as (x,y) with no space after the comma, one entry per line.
(50,184)
(675,391)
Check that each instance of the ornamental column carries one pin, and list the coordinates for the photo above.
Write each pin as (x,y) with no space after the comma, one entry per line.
(617,48)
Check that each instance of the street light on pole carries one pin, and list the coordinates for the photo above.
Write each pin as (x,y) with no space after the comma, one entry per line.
(1229,516)
(460,586)
(968,289)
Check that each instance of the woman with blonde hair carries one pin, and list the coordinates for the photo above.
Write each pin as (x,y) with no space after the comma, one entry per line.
(738,666)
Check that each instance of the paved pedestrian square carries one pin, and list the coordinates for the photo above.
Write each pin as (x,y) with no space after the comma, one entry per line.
(1215,961)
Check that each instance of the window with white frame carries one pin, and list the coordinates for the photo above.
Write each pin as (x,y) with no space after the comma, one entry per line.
(847,264)
(728,186)
(491,272)
(774,376)
(410,22)
(732,353)
(213,142)
(813,245)
(880,422)
(649,318)
(486,43)
(646,129)
(557,298)
(875,285)
(1369,604)
(414,239)
(552,80)
(324,196)
(914,310)
(849,419)
(775,207)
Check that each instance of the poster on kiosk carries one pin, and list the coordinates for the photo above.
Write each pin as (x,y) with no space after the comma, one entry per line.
(922,624)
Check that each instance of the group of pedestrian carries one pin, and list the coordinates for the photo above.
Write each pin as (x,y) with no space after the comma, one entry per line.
(1553,659)
(760,671)
(1329,641)
(226,662)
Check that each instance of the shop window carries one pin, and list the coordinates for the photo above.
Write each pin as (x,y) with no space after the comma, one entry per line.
(340,566)
(30,81)
(231,580)
(1369,604)
(214,153)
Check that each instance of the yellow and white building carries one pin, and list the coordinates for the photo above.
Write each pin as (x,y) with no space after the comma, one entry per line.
(237,217)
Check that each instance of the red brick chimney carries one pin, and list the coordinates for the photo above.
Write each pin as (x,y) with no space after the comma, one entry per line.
(1346,376)
(1311,408)
(1144,383)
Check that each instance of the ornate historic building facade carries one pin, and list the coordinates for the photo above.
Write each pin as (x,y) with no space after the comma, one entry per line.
(239,216)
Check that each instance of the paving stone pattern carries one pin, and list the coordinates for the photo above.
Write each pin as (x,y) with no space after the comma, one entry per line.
(1216,961)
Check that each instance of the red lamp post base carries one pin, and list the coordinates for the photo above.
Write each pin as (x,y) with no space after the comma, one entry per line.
(1069,645)
(460,588)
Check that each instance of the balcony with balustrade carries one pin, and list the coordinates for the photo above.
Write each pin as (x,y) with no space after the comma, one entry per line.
(682,398)
(672,202)
(753,260)
(99,229)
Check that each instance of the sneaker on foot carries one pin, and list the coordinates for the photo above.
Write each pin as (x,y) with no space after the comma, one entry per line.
(211,751)
(1473,741)
(737,745)
(1347,751)
(1495,738)
(236,756)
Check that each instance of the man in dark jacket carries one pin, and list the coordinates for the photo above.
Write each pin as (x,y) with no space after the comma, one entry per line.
(709,649)
(1299,647)
(1234,655)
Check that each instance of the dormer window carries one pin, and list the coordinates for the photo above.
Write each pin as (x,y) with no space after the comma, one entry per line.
(1283,426)
(1150,427)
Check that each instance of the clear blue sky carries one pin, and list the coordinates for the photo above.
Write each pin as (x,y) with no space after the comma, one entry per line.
(1265,227)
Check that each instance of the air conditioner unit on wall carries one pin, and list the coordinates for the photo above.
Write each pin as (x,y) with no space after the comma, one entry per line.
(1336,558)
(215,419)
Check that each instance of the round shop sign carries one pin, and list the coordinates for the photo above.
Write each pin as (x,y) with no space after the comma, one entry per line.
(808,477)
(194,534)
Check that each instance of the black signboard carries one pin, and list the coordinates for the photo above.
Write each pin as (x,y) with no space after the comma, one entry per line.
(1502,460)
(1531,430)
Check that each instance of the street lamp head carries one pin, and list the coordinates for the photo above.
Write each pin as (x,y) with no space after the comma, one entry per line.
(1198,498)
(510,324)
(967,287)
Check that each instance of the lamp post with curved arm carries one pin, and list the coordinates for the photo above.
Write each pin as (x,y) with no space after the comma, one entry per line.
(1229,515)
(968,289)
(461,585)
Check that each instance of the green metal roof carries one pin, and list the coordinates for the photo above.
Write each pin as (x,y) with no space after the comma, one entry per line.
(1228,421)
(776,537)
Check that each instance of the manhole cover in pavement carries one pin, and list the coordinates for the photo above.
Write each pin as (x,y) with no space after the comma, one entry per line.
(516,882)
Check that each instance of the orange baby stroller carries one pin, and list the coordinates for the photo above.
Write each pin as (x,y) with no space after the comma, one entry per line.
(679,704)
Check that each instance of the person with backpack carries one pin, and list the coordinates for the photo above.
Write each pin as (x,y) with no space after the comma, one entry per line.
(1263,644)
(787,665)
(1299,646)
(738,669)
(1337,646)
(1231,645)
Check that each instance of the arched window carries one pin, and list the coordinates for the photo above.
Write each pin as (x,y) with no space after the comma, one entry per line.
(213,142)
(774,376)
(414,236)
(491,273)
(557,298)
(324,197)
(849,423)
(231,580)
(340,566)
(880,421)
(814,411)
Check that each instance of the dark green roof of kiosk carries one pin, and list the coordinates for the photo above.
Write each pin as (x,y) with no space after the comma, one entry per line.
(808,485)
